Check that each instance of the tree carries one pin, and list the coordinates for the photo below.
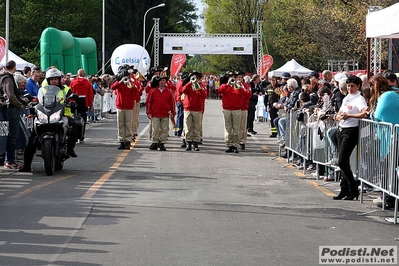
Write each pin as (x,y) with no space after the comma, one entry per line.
(314,31)
(124,22)
(224,16)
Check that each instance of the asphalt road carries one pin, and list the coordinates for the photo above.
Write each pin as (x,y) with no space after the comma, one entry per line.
(142,207)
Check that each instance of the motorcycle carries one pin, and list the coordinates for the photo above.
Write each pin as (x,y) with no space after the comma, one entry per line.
(52,128)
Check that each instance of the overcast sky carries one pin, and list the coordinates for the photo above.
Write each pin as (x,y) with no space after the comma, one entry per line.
(199,5)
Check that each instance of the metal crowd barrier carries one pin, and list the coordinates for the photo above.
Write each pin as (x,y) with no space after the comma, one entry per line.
(374,162)
(379,159)
(375,146)
(308,139)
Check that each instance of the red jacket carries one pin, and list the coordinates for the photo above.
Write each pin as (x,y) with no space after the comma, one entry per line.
(246,96)
(160,103)
(125,96)
(178,93)
(231,97)
(139,88)
(82,86)
(194,99)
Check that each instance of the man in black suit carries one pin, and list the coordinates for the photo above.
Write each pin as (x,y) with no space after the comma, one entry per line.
(257,90)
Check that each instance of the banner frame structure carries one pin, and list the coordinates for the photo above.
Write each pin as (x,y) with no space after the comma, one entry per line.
(257,36)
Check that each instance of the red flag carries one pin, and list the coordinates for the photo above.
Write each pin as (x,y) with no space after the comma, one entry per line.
(177,63)
(267,62)
(2,48)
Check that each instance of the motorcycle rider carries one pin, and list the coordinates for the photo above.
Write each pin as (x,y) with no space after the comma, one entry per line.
(53,77)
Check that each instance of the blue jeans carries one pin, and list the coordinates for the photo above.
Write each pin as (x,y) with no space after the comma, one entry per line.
(281,127)
(179,118)
(332,140)
(12,116)
(275,122)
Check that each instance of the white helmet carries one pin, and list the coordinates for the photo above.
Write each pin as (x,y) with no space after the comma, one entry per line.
(53,73)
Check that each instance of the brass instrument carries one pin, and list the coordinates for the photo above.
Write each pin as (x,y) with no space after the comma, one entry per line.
(140,76)
(172,119)
(164,73)
(126,80)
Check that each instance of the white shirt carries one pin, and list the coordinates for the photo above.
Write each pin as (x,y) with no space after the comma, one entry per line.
(352,104)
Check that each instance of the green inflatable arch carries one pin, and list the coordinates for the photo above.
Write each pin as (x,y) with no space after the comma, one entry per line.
(67,53)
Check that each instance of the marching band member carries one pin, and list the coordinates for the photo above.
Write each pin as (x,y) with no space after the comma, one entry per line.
(125,92)
(247,93)
(195,95)
(136,109)
(152,74)
(160,106)
(179,104)
(231,103)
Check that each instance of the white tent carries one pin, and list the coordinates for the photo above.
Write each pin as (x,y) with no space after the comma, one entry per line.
(21,63)
(383,23)
(292,67)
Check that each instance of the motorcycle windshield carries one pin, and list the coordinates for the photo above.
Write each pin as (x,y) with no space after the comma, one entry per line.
(49,96)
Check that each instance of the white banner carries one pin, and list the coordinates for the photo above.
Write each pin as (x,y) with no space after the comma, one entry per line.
(208,45)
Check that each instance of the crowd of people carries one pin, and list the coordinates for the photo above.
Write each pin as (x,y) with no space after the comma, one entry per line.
(342,97)
(20,87)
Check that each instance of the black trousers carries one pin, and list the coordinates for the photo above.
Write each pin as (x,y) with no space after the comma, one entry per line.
(251,116)
(273,115)
(347,141)
(84,116)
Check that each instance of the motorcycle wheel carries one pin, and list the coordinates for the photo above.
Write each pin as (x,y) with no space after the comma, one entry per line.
(49,156)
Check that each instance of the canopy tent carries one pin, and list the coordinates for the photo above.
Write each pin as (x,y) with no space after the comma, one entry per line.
(292,67)
(383,23)
(21,63)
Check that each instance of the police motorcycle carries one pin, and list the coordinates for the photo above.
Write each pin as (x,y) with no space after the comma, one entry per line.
(52,128)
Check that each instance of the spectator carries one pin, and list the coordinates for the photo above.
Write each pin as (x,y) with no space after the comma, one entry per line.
(32,86)
(257,90)
(294,90)
(384,103)
(392,79)
(272,97)
(27,72)
(354,107)
(314,86)
(81,86)
(12,112)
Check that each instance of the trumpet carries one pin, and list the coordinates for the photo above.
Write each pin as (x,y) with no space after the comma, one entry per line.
(126,80)
(164,73)
(140,76)
(172,119)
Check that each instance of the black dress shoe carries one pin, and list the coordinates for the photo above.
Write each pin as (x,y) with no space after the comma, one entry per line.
(230,149)
(235,150)
(253,132)
(242,146)
(249,135)
(153,146)
(162,147)
(24,169)
(72,153)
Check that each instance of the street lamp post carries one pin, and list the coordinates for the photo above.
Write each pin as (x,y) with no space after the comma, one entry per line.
(103,41)
(145,14)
